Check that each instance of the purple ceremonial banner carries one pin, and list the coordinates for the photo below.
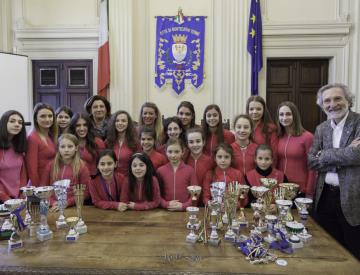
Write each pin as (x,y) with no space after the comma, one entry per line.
(179,51)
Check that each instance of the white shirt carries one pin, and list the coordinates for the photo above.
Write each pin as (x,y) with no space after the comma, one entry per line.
(333,177)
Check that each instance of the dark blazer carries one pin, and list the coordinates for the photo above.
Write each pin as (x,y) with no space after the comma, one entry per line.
(344,160)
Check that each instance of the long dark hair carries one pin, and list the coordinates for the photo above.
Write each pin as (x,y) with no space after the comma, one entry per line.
(53,131)
(266,130)
(190,106)
(176,120)
(67,111)
(18,142)
(90,137)
(219,129)
(106,152)
(130,134)
(148,178)
(297,128)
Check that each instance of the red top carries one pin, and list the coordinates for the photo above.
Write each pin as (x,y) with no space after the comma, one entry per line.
(157,159)
(259,138)
(88,158)
(123,155)
(244,157)
(12,174)
(292,160)
(110,196)
(201,166)
(174,184)
(253,177)
(66,172)
(139,196)
(228,175)
(212,142)
(38,156)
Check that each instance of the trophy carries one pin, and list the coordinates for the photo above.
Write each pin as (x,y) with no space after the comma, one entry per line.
(79,190)
(231,199)
(288,191)
(244,190)
(15,206)
(60,188)
(72,236)
(284,209)
(32,209)
(217,193)
(215,207)
(295,228)
(302,205)
(195,192)
(44,193)
(270,220)
(259,206)
(192,211)
(269,196)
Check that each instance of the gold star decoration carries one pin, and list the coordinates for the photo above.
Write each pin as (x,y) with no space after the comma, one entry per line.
(252,33)
(253,18)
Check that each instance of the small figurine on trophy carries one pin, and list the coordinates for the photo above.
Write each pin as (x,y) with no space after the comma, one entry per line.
(79,190)
(44,193)
(72,236)
(303,205)
(60,188)
(15,206)
(244,190)
(192,237)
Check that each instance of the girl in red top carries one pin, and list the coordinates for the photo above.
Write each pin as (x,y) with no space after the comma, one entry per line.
(197,159)
(90,146)
(175,177)
(41,147)
(223,172)
(150,116)
(144,190)
(122,139)
(12,150)
(67,165)
(294,145)
(213,129)
(63,116)
(243,147)
(265,129)
(147,142)
(108,189)
(186,113)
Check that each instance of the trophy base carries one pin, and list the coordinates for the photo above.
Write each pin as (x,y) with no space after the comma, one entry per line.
(195,226)
(296,245)
(262,229)
(191,238)
(269,239)
(72,238)
(214,242)
(44,236)
(61,224)
(15,244)
(231,237)
(81,229)
(236,229)
(243,224)
(305,237)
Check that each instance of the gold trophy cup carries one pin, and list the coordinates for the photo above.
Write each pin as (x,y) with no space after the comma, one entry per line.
(79,190)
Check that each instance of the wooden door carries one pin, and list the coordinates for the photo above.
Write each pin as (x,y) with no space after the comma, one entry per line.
(297,80)
(62,82)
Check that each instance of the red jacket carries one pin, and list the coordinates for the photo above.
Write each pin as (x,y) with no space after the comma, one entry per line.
(123,155)
(244,159)
(157,159)
(139,196)
(259,138)
(66,172)
(38,156)
(12,174)
(227,176)
(212,142)
(292,160)
(174,184)
(118,192)
(88,158)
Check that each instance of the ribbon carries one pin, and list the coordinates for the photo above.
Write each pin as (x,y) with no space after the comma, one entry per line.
(283,245)
(20,222)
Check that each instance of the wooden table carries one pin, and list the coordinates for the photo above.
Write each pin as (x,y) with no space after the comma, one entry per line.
(153,242)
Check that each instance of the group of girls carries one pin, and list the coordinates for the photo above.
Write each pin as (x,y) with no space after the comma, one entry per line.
(143,166)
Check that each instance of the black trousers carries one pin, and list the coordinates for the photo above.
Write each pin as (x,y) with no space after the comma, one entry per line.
(330,216)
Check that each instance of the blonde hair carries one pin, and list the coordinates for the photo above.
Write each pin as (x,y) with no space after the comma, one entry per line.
(58,161)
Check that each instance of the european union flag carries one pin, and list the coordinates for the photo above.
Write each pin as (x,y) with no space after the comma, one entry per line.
(254,45)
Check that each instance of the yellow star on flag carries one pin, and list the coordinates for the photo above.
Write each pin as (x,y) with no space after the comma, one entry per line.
(253,18)
(252,33)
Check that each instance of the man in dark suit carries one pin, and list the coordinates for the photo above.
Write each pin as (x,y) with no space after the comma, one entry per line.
(335,154)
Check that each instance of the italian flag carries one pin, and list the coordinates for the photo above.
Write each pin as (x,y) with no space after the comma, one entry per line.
(103,55)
